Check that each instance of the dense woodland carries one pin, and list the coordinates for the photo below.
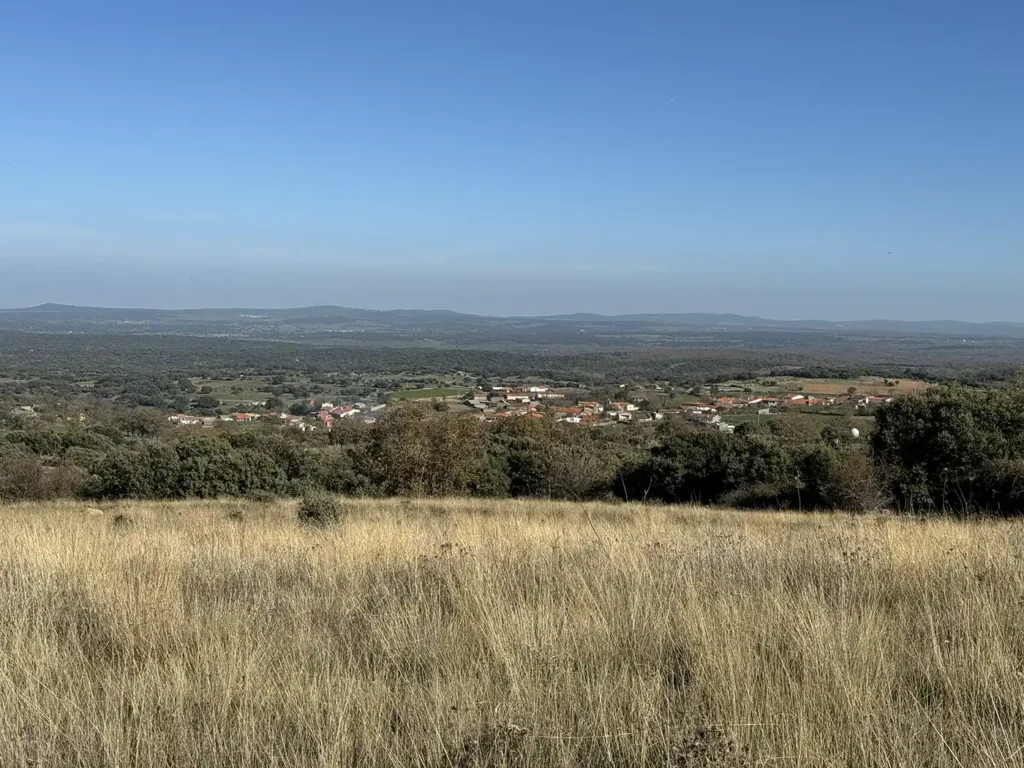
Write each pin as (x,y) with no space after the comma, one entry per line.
(54,360)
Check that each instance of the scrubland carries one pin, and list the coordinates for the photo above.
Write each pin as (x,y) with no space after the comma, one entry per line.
(459,633)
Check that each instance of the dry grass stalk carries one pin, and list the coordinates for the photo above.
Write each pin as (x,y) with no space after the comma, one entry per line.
(486,634)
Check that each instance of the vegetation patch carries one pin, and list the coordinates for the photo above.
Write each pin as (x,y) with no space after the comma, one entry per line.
(425,394)
(507,633)
(319,509)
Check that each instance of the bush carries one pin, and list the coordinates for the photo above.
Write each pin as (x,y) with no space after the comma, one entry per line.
(705,467)
(319,509)
(687,467)
(411,453)
(332,469)
(24,477)
(764,496)
(953,449)
(1005,483)
(839,479)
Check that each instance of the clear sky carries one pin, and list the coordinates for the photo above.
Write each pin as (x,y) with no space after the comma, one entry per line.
(787,159)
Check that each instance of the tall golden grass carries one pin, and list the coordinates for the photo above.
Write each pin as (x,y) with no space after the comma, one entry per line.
(456,633)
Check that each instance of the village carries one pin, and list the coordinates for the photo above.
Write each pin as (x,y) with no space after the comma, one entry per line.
(717,407)
(500,402)
(714,412)
(319,416)
(496,403)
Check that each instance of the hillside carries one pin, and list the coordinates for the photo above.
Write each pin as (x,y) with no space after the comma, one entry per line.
(459,633)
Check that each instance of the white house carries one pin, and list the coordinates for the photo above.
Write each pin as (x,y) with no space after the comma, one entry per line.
(182,419)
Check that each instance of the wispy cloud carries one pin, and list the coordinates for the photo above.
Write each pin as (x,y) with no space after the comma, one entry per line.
(666,104)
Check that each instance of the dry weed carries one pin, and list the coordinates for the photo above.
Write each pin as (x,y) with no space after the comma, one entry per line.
(506,634)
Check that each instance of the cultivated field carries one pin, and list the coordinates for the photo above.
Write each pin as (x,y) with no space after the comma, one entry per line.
(499,634)
(426,394)
(866,385)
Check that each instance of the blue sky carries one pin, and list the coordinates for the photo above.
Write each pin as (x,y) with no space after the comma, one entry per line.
(836,160)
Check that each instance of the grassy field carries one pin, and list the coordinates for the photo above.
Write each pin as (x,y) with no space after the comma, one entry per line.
(249,390)
(867,385)
(425,394)
(429,633)
(820,419)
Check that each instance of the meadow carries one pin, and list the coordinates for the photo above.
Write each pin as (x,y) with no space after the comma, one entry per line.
(864,385)
(426,394)
(500,633)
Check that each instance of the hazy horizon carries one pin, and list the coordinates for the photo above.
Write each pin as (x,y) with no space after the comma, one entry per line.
(834,162)
(509,295)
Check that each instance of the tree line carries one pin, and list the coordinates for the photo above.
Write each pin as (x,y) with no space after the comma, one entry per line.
(951,450)
(147,366)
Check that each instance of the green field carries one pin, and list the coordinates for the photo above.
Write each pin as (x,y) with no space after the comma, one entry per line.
(864,385)
(230,391)
(426,394)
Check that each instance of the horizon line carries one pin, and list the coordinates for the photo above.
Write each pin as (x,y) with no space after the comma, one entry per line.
(557,316)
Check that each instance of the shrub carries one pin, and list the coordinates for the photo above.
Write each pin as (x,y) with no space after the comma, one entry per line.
(764,496)
(705,467)
(121,521)
(24,477)
(685,467)
(1005,482)
(410,453)
(950,448)
(839,479)
(319,509)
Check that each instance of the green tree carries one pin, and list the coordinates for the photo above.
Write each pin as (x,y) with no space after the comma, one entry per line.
(142,422)
(207,402)
(953,449)
(414,451)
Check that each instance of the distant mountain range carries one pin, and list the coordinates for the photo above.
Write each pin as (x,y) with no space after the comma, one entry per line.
(415,323)
(703,319)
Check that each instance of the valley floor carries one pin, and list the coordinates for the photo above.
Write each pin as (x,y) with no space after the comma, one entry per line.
(458,633)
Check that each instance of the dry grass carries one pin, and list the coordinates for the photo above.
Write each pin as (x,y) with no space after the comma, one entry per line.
(490,634)
(866,385)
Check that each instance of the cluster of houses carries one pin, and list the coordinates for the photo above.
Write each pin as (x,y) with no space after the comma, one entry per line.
(536,402)
(499,398)
(322,418)
(866,401)
(502,403)
(710,414)
(592,412)
(707,415)
(762,402)
(328,412)
(188,420)
(506,402)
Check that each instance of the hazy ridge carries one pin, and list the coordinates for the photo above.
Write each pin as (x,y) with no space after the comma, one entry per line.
(245,320)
